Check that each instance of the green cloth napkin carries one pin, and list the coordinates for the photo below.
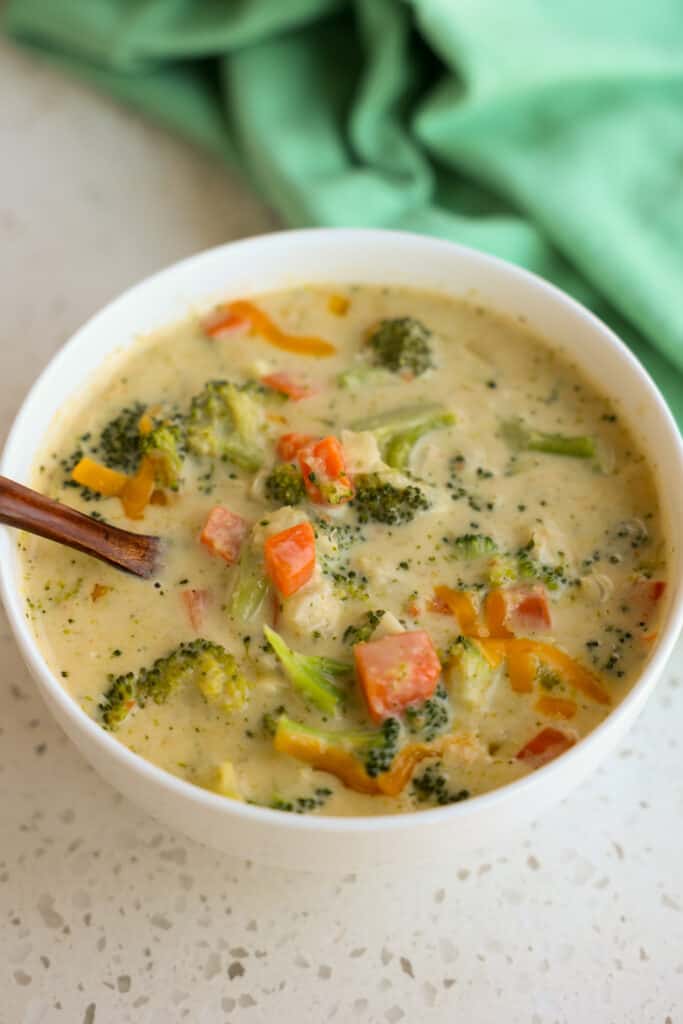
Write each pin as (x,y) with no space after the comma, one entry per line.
(548,132)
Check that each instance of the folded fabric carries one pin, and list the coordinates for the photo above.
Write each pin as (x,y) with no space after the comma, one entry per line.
(548,132)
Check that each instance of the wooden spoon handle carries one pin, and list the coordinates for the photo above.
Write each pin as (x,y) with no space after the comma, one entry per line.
(28,510)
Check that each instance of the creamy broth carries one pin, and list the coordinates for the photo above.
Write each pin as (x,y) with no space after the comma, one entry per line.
(570,545)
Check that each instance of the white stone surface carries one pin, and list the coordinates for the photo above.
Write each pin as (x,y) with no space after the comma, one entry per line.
(105,916)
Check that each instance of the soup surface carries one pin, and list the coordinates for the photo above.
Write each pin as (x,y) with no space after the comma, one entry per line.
(411,553)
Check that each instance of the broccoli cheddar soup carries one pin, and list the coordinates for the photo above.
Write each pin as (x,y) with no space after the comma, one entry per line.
(412,554)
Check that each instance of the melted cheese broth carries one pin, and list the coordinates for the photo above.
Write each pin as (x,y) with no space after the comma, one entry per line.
(597,518)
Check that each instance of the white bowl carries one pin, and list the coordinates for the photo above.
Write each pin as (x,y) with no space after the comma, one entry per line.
(335,257)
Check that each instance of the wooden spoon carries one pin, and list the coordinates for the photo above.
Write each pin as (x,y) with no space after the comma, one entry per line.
(28,510)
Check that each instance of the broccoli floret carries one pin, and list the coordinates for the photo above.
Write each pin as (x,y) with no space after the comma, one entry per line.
(120,442)
(302,804)
(375,749)
(398,430)
(432,785)
(528,568)
(270,719)
(285,485)
(473,545)
(314,677)
(118,700)
(402,344)
(206,664)
(432,717)
(380,754)
(225,422)
(378,501)
(524,438)
(363,631)
(502,570)
(166,445)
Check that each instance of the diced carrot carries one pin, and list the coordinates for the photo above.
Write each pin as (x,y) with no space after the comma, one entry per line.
(548,744)
(396,671)
(137,492)
(338,305)
(222,322)
(97,477)
(461,604)
(290,558)
(530,611)
(556,707)
(413,609)
(196,603)
(285,384)
(324,472)
(98,591)
(158,498)
(517,610)
(289,445)
(260,323)
(223,534)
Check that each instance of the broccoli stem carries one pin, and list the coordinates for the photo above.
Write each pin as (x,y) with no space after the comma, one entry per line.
(399,430)
(250,588)
(559,444)
(358,377)
(519,435)
(312,676)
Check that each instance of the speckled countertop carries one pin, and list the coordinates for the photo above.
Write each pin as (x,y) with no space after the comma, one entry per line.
(106,917)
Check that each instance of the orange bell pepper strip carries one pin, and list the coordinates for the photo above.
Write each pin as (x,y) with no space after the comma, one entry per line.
(290,558)
(522,661)
(314,751)
(493,649)
(222,322)
(556,707)
(108,482)
(137,492)
(521,666)
(572,672)
(495,612)
(350,771)
(460,604)
(260,323)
